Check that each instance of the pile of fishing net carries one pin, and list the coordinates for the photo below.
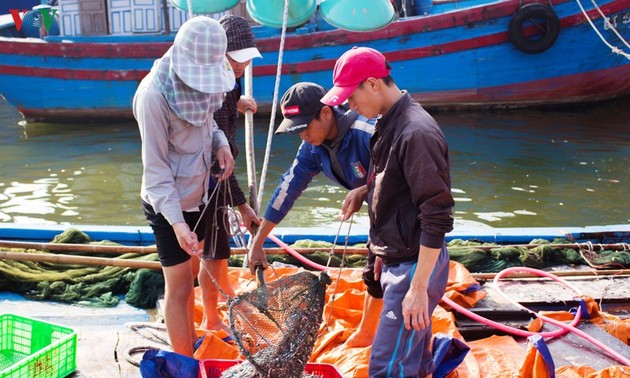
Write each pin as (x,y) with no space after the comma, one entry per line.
(103,286)
(482,257)
(539,254)
(94,286)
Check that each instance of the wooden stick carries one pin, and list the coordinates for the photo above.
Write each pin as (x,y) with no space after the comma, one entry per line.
(82,260)
(136,264)
(559,273)
(115,249)
(252,184)
(249,145)
(67,247)
(578,246)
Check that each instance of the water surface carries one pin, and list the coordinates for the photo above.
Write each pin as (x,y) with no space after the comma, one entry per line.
(534,168)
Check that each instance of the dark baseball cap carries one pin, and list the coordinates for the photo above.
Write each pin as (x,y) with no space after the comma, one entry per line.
(299,105)
(240,38)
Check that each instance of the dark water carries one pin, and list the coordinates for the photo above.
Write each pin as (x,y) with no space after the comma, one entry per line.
(535,168)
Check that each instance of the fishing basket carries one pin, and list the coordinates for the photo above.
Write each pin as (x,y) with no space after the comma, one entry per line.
(32,348)
(276,325)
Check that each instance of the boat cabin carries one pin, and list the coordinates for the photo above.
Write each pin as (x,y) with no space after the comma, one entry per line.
(119,17)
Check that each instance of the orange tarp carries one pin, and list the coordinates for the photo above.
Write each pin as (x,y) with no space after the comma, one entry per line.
(496,356)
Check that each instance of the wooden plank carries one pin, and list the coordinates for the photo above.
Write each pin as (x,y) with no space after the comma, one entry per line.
(571,349)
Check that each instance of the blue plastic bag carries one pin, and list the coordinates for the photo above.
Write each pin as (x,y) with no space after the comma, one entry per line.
(164,364)
(448,353)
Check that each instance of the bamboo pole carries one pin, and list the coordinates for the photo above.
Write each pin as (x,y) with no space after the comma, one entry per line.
(559,273)
(87,248)
(115,249)
(578,246)
(249,144)
(252,184)
(137,264)
(81,260)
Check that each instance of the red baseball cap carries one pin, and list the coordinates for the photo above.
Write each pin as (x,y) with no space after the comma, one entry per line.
(353,68)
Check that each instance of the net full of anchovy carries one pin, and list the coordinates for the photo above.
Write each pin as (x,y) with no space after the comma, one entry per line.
(276,325)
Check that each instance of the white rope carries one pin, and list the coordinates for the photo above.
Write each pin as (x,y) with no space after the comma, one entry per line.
(190,11)
(272,120)
(610,25)
(614,49)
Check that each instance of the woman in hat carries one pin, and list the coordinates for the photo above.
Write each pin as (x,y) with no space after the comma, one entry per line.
(174,106)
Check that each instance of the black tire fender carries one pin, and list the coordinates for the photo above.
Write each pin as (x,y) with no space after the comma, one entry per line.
(537,15)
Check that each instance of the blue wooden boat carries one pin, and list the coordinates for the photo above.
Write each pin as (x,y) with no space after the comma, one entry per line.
(457,54)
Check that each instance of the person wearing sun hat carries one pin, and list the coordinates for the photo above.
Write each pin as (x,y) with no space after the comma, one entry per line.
(410,207)
(335,142)
(174,106)
(241,49)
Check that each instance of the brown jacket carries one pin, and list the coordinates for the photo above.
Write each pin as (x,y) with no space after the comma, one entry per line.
(409,191)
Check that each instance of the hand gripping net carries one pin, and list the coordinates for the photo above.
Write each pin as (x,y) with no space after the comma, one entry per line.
(276,325)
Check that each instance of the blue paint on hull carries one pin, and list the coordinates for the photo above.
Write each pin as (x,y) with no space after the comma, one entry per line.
(468,64)
(66,94)
(143,235)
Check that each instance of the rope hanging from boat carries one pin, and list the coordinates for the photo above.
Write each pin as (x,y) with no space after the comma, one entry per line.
(190,12)
(607,22)
(274,104)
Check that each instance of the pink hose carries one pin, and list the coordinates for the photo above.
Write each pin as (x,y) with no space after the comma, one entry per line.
(504,328)
(295,254)
(567,327)
(564,328)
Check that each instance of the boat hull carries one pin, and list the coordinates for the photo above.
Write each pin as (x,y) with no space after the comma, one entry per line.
(143,236)
(452,58)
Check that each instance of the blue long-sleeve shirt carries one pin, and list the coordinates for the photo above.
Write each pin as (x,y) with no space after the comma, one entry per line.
(353,155)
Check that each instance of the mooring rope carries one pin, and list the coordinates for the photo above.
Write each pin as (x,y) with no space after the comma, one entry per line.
(614,49)
(156,330)
(342,264)
(274,103)
(612,27)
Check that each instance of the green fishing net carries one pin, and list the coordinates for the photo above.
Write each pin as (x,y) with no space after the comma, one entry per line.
(104,286)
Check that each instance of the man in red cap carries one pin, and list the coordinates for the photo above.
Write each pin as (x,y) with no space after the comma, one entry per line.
(409,203)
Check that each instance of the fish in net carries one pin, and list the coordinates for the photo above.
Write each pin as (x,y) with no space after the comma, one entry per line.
(276,325)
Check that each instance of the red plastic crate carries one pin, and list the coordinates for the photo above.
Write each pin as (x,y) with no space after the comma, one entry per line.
(213,368)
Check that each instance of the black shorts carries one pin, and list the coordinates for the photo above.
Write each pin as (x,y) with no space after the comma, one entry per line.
(217,245)
(374,287)
(169,251)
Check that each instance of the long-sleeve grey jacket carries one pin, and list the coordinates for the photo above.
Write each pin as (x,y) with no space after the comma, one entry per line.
(176,155)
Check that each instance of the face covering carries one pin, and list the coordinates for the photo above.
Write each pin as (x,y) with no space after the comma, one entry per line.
(188,104)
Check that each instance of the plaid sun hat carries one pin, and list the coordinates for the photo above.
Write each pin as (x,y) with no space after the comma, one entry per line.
(240,46)
(198,56)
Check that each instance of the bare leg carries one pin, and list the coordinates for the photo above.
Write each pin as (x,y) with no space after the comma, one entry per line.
(210,293)
(364,334)
(178,298)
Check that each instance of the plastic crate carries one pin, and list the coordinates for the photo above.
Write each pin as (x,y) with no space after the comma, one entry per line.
(31,348)
(213,368)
